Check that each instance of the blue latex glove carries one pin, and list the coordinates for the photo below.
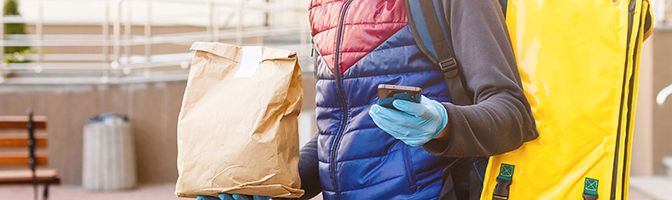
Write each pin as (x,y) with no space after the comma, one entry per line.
(413,123)
(232,197)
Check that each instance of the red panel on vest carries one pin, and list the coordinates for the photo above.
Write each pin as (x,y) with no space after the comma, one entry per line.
(367,24)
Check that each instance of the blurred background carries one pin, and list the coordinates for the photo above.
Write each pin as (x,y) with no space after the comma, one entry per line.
(71,60)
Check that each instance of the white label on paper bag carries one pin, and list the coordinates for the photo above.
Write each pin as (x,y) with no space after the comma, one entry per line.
(249,62)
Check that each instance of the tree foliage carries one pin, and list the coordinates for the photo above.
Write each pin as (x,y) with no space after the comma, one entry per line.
(12,9)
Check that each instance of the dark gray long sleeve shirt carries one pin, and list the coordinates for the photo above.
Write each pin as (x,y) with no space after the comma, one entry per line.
(500,119)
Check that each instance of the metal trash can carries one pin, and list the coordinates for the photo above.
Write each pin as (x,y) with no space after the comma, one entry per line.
(667,164)
(109,154)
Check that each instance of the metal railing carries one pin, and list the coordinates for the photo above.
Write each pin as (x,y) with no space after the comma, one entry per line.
(120,61)
(663,12)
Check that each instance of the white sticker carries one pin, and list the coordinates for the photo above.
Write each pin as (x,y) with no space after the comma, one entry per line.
(249,62)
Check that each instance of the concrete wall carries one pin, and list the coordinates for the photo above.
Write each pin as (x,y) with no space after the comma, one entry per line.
(653,123)
(642,151)
(151,108)
(662,115)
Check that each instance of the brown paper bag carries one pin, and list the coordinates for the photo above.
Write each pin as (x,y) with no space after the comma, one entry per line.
(237,129)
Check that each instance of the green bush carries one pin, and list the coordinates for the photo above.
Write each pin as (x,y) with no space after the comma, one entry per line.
(12,9)
(14,54)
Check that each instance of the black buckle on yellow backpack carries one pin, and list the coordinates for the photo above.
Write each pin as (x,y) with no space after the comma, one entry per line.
(504,180)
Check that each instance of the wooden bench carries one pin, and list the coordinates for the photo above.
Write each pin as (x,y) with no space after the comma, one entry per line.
(21,122)
(15,152)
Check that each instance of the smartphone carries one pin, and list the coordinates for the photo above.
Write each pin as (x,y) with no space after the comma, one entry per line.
(388,93)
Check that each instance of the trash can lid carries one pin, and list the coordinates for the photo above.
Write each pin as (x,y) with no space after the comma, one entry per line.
(108,115)
(667,161)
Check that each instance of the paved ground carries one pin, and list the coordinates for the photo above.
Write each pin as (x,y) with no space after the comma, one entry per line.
(655,187)
(637,195)
(21,192)
(71,192)
(162,192)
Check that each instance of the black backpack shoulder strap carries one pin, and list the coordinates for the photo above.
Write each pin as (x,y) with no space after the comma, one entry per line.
(504,4)
(431,30)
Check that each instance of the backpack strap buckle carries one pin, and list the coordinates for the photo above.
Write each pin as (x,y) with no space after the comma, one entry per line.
(590,188)
(504,180)
(449,67)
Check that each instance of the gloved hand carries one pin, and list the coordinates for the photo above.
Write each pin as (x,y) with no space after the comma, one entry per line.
(413,123)
(223,196)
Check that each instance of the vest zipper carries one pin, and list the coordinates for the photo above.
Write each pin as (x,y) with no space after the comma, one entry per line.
(625,102)
(344,118)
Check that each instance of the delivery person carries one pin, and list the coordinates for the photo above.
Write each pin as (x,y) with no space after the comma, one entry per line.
(366,151)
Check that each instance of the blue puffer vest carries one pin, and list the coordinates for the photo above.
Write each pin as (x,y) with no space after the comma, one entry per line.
(363,43)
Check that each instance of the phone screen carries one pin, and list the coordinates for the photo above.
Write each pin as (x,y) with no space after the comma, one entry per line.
(388,93)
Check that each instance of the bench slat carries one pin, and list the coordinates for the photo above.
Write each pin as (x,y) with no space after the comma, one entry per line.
(20,122)
(25,176)
(14,140)
(21,158)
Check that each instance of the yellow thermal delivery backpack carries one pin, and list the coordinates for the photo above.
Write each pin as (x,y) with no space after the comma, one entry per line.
(578,61)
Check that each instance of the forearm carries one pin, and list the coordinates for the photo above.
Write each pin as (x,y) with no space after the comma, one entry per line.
(488,128)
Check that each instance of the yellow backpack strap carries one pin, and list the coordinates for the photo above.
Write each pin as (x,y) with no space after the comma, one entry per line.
(590,186)
(503,182)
